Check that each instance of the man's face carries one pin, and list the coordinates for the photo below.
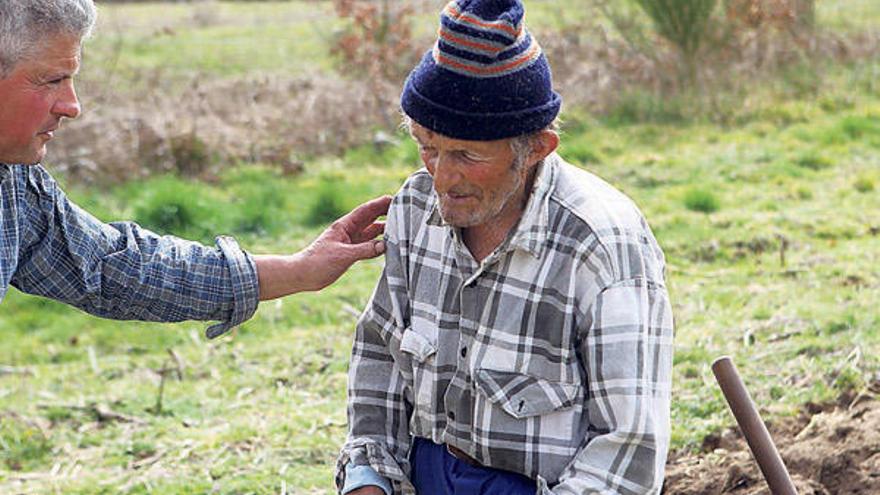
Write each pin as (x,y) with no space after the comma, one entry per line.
(35,97)
(475,181)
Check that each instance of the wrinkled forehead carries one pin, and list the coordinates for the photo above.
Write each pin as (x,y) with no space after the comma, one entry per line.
(59,53)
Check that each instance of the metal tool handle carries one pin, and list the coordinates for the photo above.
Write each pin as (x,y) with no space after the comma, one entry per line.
(753,428)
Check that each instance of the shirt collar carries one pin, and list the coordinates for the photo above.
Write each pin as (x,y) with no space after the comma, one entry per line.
(531,231)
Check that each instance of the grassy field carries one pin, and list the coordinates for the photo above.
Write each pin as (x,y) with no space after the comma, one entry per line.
(770,227)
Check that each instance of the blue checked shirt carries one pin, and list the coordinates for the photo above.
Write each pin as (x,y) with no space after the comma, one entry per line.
(551,358)
(52,248)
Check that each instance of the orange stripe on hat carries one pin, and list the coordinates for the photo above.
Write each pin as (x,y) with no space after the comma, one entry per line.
(452,9)
(443,60)
(446,35)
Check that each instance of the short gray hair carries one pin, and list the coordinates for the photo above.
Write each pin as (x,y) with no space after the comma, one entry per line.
(522,145)
(25,24)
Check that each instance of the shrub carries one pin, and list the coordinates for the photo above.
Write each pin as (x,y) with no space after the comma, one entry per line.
(172,206)
(327,206)
(701,200)
(804,193)
(684,23)
(851,128)
(864,184)
(813,161)
(778,14)
(191,154)
(377,39)
(857,127)
(259,200)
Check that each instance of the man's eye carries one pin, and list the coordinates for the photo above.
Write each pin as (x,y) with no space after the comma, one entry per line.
(56,81)
(427,150)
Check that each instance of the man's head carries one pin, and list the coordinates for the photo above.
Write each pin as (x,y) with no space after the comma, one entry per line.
(482,107)
(479,182)
(39,55)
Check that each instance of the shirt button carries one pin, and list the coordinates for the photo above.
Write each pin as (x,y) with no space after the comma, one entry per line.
(464,352)
(451,415)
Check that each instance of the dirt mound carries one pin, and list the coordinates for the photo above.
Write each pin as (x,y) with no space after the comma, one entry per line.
(828,451)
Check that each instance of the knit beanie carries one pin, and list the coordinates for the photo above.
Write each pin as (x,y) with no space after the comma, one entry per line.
(486,78)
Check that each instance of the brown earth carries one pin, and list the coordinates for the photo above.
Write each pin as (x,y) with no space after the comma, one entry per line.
(829,450)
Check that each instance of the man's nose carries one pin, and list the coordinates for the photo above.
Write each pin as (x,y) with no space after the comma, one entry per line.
(446,173)
(67,104)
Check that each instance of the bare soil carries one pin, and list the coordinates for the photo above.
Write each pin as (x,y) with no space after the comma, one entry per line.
(829,450)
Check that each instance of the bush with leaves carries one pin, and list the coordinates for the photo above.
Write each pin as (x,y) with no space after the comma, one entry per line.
(684,23)
(709,40)
(377,41)
(376,46)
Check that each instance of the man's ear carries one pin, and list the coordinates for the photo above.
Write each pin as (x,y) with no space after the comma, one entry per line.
(545,143)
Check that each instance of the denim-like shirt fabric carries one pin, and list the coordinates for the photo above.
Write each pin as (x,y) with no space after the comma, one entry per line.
(52,248)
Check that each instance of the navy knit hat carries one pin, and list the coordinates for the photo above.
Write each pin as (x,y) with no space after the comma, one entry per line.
(486,77)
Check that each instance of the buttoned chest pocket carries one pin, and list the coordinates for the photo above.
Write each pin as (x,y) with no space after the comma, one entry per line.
(516,405)
(421,346)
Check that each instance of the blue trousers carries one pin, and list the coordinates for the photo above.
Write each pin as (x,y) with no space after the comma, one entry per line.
(437,472)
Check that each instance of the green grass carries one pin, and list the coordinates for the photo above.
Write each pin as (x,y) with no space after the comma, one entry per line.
(214,38)
(850,15)
(765,220)
(267,405)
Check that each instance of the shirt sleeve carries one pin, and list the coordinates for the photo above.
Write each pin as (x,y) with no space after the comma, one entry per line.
(627,353)
(122,271)
(378,407)
(361,476)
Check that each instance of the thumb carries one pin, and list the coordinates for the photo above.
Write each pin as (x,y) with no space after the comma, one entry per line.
(366,250)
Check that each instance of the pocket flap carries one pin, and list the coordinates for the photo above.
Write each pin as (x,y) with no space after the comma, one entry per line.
(522,395)
(417,344)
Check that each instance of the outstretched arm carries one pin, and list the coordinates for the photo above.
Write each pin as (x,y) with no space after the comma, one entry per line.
(125,272)
(347,240)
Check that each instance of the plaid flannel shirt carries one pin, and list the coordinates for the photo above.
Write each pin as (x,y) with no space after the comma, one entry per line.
(551,358)
(52,248)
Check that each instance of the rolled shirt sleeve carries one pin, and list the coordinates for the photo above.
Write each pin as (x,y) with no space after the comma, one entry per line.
(123,271)
(245,286)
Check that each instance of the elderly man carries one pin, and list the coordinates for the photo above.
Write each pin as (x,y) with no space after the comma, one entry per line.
(50,247)
(519,340)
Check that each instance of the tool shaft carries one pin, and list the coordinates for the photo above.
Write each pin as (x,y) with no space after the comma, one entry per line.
(753,428)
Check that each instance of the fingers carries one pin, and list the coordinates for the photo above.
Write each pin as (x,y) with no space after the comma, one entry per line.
(364,215)
(376,229)
(365,250)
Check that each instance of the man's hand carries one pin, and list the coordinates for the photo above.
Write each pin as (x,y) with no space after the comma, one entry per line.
(367,490)
(347,240)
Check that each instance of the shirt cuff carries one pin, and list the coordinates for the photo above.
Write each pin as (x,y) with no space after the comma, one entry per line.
(245,286)
(359,476)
